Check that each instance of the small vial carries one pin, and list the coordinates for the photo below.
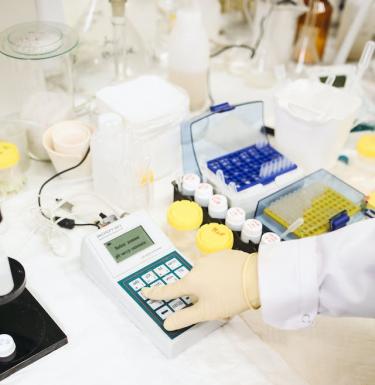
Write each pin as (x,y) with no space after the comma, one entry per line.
(269,239)
(251,231)
(235,218)
(214,237)
(218,206)
(203,193)
(190,183)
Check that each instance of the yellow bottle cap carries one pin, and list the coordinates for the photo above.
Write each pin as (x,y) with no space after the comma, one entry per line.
(9,155)
(366,146)
(214,237)
(185,215)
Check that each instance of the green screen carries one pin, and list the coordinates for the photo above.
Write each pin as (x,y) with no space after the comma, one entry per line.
(129,244)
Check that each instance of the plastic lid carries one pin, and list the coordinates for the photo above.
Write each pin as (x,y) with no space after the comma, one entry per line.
(270,238)
(218,206)
(214,237)
(37,40)
(252,228)
(366,146)
(9,155)
(190,182)
(7,345)
(185,215)
(203,193)
(235,218)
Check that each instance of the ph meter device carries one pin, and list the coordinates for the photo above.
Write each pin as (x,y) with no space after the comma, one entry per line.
(132,253)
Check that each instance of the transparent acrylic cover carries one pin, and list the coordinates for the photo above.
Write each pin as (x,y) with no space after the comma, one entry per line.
(215,134)
(317,198)
(37,40)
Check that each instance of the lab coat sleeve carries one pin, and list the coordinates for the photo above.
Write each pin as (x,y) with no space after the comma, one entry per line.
(332,274)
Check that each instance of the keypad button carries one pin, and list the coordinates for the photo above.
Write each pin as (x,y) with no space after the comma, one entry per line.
(182,271)
(173,264)
(142,296)
(177,304)
(170,278)
(155,304)
(161,270)
(157,283)
(149,277)
(137,284)
(187,300)
(164,312)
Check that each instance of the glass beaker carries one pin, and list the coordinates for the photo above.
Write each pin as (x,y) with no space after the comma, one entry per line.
(42,64)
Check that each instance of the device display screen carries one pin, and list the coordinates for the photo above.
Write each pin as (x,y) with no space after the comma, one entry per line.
(129,244)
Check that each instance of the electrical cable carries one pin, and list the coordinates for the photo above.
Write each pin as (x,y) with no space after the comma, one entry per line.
(63,222)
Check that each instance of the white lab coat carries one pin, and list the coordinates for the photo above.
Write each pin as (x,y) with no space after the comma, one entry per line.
(332,274)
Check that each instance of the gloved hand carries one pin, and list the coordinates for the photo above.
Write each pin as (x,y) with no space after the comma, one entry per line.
(220,285)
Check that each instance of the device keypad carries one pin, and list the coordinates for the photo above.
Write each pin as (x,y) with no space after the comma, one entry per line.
(166,270)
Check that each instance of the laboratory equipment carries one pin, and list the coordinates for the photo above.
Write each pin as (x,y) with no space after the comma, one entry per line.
(188,56)
(184,219)
(218,206)
(251,231)
(66,143)
(121,170)
(152,110)
(15,131)
(40,53)
(313,122)
(133,253)
(190,183)
(214,237)
(11,176)
(235,218)
(110,48)
(269,238)
(227,147)
(203,194)
(28,333)
(366,152)
(318,199)
(6,281)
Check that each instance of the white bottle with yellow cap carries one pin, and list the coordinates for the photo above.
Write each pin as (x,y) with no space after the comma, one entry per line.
(184,219)
(11,178)
(214,237)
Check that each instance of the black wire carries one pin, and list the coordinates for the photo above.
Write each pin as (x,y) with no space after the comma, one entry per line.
(244,46)
(54,177)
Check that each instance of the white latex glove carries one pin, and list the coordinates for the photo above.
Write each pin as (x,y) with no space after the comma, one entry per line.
(221,285)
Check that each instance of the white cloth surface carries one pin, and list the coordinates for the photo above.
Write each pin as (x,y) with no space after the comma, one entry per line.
(332,274)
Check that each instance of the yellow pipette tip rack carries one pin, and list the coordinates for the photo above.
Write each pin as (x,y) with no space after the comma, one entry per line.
(316,217)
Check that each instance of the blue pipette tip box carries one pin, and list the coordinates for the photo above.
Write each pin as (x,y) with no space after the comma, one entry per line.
(243,167)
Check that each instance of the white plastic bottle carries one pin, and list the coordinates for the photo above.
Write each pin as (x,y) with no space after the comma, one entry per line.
(189,56)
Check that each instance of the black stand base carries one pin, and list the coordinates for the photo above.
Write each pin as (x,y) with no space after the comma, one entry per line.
(33,330)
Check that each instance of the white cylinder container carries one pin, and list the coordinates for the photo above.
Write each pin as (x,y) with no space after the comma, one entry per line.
(251,231)
(235,218)
(218,206)
(6,278)
(190,182)
(269,238)
(203,194)
(189,57)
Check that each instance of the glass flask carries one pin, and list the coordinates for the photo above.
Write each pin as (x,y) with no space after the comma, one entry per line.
(110,50)
(40,52)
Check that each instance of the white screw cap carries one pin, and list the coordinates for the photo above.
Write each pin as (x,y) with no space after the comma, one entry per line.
(7,345)
(235,218)
(251,231)
(218,206)
(270,238)
(203,193)
(190,183)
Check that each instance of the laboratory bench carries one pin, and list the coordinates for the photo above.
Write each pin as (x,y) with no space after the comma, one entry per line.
(104,346)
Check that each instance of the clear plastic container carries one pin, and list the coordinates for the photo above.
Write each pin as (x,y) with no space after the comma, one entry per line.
(184,219)
(214,237)
(40,55)
(11,177)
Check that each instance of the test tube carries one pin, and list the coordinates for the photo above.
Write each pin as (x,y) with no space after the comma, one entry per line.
(203,193)
(190,183)
(235,218)
(251,231)
(218,206)
(270,238)
(6,278)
